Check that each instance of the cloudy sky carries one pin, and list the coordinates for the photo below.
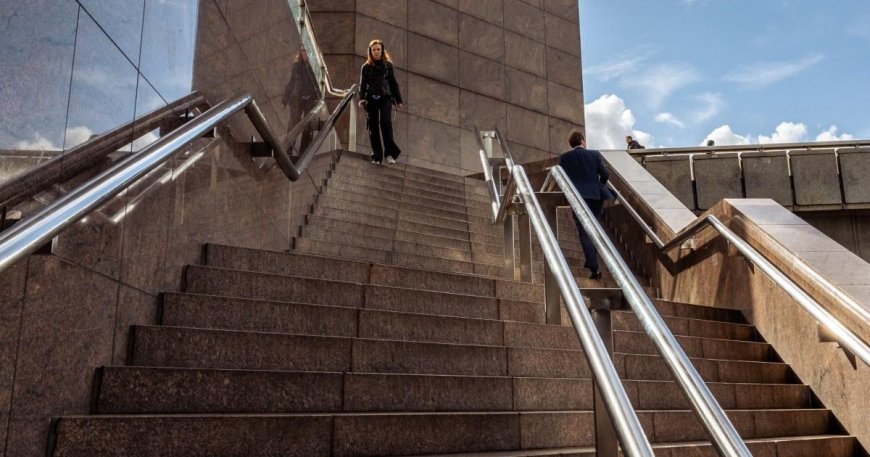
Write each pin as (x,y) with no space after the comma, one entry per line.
(677,72)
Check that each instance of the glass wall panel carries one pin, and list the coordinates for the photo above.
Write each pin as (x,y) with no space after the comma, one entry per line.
(103,91)
(122,20)
(38,39)
(168,45)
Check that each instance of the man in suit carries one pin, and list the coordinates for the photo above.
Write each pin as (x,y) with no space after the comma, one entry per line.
(588,173)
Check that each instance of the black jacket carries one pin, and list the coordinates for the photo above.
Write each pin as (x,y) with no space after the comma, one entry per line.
(588,173)
(375,80)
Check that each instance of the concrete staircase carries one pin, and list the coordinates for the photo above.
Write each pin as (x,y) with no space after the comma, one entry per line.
(392,329)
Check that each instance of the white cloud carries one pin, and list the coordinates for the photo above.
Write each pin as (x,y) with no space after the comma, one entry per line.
(713,103)
(831,135)
(620,65)
(724,136)
(76,136)
(660,81)
(668,118)
(786,132)
(39,143)
(608,121)
(766,73)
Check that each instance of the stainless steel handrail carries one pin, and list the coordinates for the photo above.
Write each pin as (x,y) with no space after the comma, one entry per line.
(487,174)
(84,156)
(750,148)
(27,236)
(723,435)
(628,429)
(848,339)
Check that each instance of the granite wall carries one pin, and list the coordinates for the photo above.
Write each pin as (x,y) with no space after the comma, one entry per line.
(79,68)
(514,64)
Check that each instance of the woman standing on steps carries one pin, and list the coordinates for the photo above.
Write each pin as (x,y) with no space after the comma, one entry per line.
(378,92)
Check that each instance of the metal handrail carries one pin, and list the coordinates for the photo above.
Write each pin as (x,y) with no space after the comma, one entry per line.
(625,421)
(723,435)
(27,236)
(749,148)
(848,339)
(84,156)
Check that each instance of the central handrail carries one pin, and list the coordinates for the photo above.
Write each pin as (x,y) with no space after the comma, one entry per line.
(724,436)
(27,236)
(625,421)
(848,339)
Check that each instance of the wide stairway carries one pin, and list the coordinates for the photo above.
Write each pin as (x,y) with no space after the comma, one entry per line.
(392,329)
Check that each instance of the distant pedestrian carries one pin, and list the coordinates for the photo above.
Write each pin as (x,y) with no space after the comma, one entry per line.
(378,92)
(588,173)
(632,143)
(711,143)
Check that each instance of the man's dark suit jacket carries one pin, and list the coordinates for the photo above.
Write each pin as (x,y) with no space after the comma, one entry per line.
(588,173)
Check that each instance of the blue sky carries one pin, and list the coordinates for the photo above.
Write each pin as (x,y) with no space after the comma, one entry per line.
(676,72)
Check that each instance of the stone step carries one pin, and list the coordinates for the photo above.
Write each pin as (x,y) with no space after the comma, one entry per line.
(692,311)
(386,244)
(400,169)
(367,219)
(368,195)
(472,187)
(402,185)
(653,367)
(460,193)
(624,320)
(390,213)
(389,433)
(164,346)
(322,223)
(392,203)
(797,446)
(249,284)
(374,187)
(148,390)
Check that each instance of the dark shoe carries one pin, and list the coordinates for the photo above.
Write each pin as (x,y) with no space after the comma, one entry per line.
(595,275)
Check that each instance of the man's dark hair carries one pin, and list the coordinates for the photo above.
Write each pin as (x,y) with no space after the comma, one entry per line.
(575,139)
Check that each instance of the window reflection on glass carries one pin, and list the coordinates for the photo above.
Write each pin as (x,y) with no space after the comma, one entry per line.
(122,20)
(147,100)
(103,88)
(38,38)
(168,38)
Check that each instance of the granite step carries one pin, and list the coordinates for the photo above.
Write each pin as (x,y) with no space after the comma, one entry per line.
(414,176)
(149,390)
(322,223)
(363,194)
(796,446)
(391,433)
(654,368)
(391,202)
(401,183)
(367,219)
(387,244)
(373,186)
(164,346)
(357,185)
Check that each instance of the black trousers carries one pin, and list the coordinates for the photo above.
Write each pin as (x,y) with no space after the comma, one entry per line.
(380,124)
(589,250)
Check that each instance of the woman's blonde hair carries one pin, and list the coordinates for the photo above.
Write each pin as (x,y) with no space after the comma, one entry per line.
(384,54)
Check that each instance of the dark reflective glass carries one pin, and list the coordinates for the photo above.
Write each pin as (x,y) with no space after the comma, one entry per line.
(37,40)
(103,88)
(168,46)
(122,20)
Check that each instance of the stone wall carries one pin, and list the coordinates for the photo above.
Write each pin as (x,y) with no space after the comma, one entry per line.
(514,64)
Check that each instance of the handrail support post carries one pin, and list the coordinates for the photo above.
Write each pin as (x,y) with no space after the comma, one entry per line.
(509,262)
(553,297)
(606,441)
(525,238)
